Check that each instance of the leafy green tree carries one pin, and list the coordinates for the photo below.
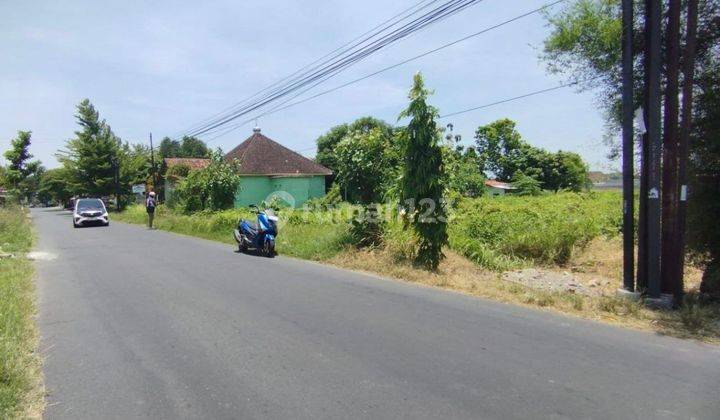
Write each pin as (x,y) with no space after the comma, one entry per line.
(21,174)
(463,172)
(92,154)
(703,231)
(500,148)
(31,184)
(366,162)
(192,147)
(327,142)
(54,184)
(503,152)
(526,185)
(169,148)
(422,181)
(210,188)
(187,147)
(135,165)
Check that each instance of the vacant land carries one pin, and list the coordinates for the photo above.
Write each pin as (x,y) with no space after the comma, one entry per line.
(568,236)
(20,367)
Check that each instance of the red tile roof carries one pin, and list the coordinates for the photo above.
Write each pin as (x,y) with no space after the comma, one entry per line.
(498,184)
(259,155)
(192,163)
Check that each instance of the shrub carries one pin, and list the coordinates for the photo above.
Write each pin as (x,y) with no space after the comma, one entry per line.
(506,232)
(367,226)
(526,185)
(211,188)
(177,172)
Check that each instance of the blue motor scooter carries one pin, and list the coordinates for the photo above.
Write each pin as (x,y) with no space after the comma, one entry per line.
(259,236)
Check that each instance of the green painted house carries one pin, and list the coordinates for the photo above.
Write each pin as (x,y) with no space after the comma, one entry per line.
(269,169)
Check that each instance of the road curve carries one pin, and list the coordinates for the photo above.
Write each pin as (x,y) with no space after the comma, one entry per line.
(147,324)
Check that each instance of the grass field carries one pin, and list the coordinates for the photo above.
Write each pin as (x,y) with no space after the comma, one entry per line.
(510,232)
(315,240)
(20,367)
(565,232)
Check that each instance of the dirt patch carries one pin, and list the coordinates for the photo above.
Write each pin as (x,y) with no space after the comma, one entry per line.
(550,281)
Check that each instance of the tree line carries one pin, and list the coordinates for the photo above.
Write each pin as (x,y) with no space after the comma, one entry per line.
(366,159)
(95,162)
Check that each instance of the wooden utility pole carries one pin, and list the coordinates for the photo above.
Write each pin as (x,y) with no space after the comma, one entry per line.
(653,87)
(628,148)
(152,163)
(685,127)
(670,188)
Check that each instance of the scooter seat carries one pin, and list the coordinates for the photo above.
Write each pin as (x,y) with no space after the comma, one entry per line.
(252,226)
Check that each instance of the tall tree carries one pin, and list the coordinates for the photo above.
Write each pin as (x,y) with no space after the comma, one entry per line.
(92,154)
(422,180)
(54,184)
(187,147)
(192,147)
(502,151)
(500,148)
(463,172)
(326,143)
(169,148)
(20,169)
(366,163)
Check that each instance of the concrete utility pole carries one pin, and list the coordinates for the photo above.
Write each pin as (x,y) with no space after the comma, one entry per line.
(654,147)
(628,148)
(670,188)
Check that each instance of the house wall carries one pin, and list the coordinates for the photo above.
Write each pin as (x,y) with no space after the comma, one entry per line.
(493,192)
(255,189)
(252,190)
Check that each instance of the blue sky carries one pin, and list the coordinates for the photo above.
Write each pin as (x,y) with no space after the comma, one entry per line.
(163,66)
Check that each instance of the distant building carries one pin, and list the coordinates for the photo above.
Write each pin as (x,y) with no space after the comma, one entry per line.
(495,188)
(267,167)
(192,163)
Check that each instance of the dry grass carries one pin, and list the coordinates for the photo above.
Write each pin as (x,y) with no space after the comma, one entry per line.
(598,264)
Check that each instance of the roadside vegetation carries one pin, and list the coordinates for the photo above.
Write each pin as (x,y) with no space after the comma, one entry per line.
(20,366)
(319,239)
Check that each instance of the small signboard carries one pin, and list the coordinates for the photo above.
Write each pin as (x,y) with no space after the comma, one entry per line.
(138,189)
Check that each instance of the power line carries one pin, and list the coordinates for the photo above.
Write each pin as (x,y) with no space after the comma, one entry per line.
(514,98)
(331,68)
(426,53)
(420,55)
(335,67)
(419,6)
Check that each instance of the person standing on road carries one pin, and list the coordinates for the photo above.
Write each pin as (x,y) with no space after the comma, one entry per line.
(150,204)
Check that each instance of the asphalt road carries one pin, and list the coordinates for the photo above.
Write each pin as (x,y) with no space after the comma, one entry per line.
(147,324)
